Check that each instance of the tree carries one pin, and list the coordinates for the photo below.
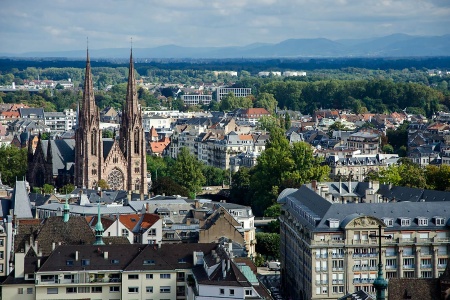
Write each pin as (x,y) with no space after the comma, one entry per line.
(13,164)
(240,187)
(438,177)
(187,171)
(68,188)
(103,184)
(214,176)
(267,101)
(48,188)
(388,149)
(107,134)
(167,186)
(268,244)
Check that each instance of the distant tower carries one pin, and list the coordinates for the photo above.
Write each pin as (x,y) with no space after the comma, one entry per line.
(132,139)
(88,137)
(99,228)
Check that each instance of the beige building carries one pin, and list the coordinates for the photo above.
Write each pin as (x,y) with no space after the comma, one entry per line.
(326,249)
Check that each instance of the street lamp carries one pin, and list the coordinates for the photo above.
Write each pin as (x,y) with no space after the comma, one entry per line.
(380,283)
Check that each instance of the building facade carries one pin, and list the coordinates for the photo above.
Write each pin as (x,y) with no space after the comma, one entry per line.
(326,248)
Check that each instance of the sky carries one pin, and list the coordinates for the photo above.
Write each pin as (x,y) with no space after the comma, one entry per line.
(59,25)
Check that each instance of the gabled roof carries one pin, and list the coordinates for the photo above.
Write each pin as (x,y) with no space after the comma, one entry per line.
(20,202)
(63,152)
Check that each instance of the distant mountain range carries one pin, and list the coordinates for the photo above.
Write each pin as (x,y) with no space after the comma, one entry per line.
(396,45)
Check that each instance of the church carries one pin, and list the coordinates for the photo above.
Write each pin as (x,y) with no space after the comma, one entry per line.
(120,161)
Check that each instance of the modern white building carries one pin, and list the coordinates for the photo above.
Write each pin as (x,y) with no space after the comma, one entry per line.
(196,99)
(238,92)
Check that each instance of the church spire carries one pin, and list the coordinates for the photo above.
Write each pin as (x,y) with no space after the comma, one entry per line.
(89,108)
(99,228)
(49,150)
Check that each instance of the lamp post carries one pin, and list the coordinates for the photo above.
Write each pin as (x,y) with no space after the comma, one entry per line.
(380,283)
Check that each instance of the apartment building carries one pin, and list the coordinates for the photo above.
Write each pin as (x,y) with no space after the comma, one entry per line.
(61,121)
(196,99)
(367,142)
(326,248)
(173,271)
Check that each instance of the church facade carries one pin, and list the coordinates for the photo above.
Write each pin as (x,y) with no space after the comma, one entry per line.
(120,161)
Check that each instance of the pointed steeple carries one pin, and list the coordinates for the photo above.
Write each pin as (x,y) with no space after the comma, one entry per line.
(49,151)
(66,209)
(30,148)
(99,228)
(90,110)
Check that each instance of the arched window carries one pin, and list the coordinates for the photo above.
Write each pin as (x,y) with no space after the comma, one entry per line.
(94,142)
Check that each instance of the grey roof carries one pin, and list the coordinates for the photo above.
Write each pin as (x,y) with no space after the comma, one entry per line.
(20,202)
(307,199)
(88,210)
(107,146)
(63,152)
(26,112)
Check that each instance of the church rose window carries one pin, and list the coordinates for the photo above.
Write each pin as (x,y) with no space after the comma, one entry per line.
(115,180)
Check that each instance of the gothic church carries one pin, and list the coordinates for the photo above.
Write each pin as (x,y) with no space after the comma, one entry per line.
(121,161)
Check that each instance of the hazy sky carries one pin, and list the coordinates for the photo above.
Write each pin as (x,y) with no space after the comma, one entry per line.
(44,25)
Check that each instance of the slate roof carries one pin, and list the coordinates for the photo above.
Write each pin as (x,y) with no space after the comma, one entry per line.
(416,288)
(26,112)
(63,152)
(20,201)
(359,295)
(321,210)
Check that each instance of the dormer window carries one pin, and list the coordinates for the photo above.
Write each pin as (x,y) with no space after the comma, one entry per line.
(405,221)
(439,221)
(389,222)
(421,221)
(149,262)
(333,223)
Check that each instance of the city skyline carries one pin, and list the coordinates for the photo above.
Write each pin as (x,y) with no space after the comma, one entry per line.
(64,25)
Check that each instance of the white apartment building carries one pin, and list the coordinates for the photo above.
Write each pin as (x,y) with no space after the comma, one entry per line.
(326,249)
(61,121)
(155,121)
(238,92)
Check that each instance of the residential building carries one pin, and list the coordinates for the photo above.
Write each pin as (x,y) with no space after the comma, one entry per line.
(367,142)
(252,115)
(326,244)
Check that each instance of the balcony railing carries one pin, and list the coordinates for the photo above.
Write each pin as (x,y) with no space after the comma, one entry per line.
(363,280)
(428,266)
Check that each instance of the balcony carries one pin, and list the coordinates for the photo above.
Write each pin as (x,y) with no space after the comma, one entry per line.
(338,281)
(428,266)
(337,255)
(441,266)
(408,267)
(394,267)
(363,280)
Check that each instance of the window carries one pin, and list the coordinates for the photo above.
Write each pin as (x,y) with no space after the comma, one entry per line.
(182,261)
(222,291)
(405,221)
(1,242)
(133,276)
(133,290)
(425,274)
(333,223)
(29,291)
(148,276)
(124,232)
(52,290)
(114,289)
(423,221)
(69,262)
(83,289)
(248,292)
(149,289)
(96,289)
(114,261)
(439,221)
(231,292)
(71,290)
(389,222)
(85,262)
(150,262)
(164,276)
(408,274)
(164,289)
(20,291)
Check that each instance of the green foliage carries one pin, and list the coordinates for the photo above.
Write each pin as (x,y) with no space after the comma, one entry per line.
(48,188)
(267,101)
(103,184)
(259,260)
(398,138)
(167,186)
(240,187)
(107,134)
(13,164)
(406,174)
(68,188)
(187,171)
(282,165)
(388,149)
(158,166)
(231,102)
(215,176)
(273,211)
(268,244)
(438,177)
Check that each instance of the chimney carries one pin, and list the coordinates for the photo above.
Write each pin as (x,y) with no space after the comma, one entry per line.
(314,185)
(224,270)
(53,246)
(105,255)
(76,255)
(228,265)
(39,263)
(196,204)
(188,221)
